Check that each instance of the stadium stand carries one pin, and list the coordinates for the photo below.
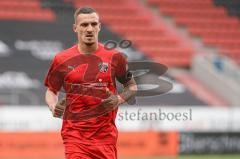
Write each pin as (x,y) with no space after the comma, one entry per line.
(232,6)
(24,10)
(204,19)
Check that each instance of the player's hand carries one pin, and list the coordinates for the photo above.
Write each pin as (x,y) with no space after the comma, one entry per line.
(59,108)
(111,102)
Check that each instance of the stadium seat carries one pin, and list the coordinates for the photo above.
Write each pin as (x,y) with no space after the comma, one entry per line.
(204,19)
(25,10)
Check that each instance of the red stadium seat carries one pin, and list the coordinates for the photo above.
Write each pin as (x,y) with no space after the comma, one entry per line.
(204,19)
(24,10)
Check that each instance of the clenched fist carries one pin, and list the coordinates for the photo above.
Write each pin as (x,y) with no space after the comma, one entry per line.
(59,108)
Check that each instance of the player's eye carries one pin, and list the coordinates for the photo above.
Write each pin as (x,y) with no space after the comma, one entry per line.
(94,24)
(84,24)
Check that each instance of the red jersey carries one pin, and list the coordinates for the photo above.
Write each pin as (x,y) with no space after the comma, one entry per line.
(98,71)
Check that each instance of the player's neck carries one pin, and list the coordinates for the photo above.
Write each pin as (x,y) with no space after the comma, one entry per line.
(87,49)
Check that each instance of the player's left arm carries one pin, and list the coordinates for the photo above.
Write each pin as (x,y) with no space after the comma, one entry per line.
(125,77)
(129,91)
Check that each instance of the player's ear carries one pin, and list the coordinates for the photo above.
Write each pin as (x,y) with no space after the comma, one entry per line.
(99,26)
(74,27)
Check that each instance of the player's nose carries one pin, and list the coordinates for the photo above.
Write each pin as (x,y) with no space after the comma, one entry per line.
(89,29)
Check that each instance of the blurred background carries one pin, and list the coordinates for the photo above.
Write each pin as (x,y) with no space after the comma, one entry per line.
(198,40)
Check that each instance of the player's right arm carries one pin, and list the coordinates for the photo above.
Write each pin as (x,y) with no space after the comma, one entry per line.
(53,82)
(51,99)
(57,107)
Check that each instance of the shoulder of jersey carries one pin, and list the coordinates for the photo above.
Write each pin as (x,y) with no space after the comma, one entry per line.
(64,54)
(109,51)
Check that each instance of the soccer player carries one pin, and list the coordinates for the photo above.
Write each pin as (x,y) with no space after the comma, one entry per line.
(87,72)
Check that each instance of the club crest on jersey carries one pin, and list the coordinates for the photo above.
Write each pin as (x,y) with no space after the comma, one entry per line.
(103,66)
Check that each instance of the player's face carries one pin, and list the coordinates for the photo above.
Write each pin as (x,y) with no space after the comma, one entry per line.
(87,27)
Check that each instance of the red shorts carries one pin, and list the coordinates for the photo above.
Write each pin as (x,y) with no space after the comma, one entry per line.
(81,151)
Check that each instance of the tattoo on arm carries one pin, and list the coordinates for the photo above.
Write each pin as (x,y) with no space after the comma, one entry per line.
(130,90)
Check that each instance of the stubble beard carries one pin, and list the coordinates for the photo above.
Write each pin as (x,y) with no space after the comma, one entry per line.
(89,44)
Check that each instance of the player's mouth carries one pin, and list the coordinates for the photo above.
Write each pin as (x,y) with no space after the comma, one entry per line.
(89,36)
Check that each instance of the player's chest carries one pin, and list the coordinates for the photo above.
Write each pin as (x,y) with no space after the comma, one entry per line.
(89,70)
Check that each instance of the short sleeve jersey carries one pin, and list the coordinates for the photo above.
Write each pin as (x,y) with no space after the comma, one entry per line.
(84,79)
